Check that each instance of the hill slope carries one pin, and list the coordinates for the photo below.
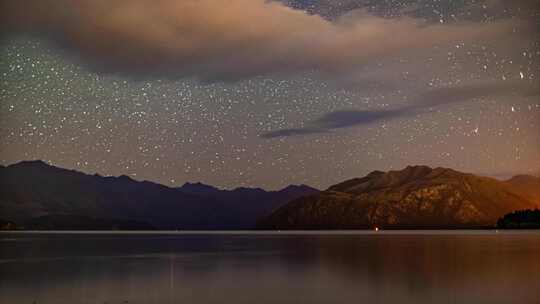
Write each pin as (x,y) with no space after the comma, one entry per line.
(34,189)
(526,185)
(416,197)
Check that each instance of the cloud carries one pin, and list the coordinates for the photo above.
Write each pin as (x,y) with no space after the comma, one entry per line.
(227,40)
(338,120)
(433,98)
(448,95)
(293,132)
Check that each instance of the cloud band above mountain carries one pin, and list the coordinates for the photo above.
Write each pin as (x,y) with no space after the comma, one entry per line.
(226,40)
(433,98)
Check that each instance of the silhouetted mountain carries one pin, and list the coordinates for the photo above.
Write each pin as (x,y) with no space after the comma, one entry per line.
(416,197)
(78,222)
(198,188)
(33,189)
(522,219)
(247,204)
(526,185)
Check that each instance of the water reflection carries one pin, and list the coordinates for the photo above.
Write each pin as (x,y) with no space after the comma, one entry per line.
(310,268)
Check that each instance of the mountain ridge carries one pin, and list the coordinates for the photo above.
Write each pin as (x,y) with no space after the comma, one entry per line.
(411,197)
(415,197)
(32,189)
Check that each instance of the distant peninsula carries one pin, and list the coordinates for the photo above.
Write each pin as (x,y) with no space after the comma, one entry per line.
(522,219)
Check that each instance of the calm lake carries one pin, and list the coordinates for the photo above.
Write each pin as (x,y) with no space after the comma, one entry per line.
(250,267)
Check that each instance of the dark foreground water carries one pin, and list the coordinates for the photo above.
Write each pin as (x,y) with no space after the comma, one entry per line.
(384,267)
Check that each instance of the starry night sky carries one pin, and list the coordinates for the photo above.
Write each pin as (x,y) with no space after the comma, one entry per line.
(256,93)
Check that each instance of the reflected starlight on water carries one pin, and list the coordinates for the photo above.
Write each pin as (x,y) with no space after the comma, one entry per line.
(314,267)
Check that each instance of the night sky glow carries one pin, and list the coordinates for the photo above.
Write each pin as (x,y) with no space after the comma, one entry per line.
(266,93)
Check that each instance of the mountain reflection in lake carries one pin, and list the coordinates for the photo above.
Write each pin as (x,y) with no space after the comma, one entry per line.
(384,267)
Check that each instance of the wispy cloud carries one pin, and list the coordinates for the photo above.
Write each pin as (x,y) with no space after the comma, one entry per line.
(433,98)
(339,120)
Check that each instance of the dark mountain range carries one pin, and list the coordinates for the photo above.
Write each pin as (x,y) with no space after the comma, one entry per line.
(79,222)
(34,192)
(416,197)
(35,195)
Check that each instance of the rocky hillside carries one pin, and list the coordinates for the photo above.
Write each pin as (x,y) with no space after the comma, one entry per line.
(416,197)
(40,195)
(527,185)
